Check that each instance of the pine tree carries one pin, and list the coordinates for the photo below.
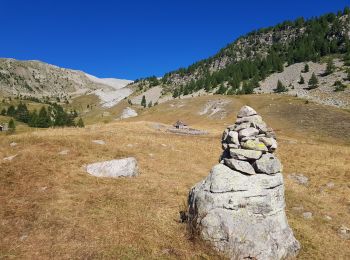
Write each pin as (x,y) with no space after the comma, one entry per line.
(313,82)
(80,123)
(11,111)
(301,80)
(330,67)
(11,126)
(143,101)
(33,120)
(306,68)
(280,87)
(44,119)
(22,113)
(3,112)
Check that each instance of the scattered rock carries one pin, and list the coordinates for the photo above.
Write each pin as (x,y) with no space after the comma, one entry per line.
(43,188)
(126,167)
(23,237)
(164,145)
(299,178)
(307,215)
(330,185)
(101,142)
(328,218)
(130,145)
(13,144)
(128,112)
(298,208)
(344,232)
(237,210)
(63,152)
(10,158)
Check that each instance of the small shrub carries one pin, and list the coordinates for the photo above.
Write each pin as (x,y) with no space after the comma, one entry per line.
(339,86)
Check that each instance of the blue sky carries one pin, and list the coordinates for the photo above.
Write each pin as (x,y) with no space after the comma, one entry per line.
(132,39)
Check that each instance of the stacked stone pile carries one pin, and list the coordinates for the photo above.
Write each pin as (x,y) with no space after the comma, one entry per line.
(249,145)
(239,206)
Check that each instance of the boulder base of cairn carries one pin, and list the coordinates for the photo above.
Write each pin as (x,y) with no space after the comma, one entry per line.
(239,207)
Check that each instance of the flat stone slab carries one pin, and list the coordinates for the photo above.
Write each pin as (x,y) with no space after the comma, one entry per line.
(242,154)
(126,167)
(241,166)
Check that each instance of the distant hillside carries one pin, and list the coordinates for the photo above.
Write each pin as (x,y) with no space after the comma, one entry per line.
(239,67)
(39,79)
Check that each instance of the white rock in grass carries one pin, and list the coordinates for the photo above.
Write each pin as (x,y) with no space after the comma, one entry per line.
(126,167)
(101,142)
(13,144)
(128,112)
(63,152)
(10,158)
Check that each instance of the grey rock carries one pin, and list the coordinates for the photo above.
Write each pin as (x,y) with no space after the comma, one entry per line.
(235,146)
(241,126)
(244,139)
(247,132)
(242,213)
(256,120)
(241,166)
(126,167)
(254,144)
(225,135)
(267,164)
(13,144)
(307,215)
(233,137)
(246,111)
(243,154)
(344,232)
(299,178)
(270,143)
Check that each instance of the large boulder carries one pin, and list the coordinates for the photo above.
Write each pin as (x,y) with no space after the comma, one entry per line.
(126,167)
(240,207)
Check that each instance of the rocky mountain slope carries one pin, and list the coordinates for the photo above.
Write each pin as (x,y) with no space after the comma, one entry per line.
(255,62)
(39,79)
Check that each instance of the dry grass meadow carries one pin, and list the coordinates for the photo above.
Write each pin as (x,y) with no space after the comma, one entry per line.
(51,209)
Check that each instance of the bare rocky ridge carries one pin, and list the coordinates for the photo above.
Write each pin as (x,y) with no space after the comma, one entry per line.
(39,79)
(239,207)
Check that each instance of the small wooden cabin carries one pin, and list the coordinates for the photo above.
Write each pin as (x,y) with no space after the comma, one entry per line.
(3,127)
(180,125)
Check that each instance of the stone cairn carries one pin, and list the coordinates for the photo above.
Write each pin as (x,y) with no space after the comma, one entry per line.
(239,207)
